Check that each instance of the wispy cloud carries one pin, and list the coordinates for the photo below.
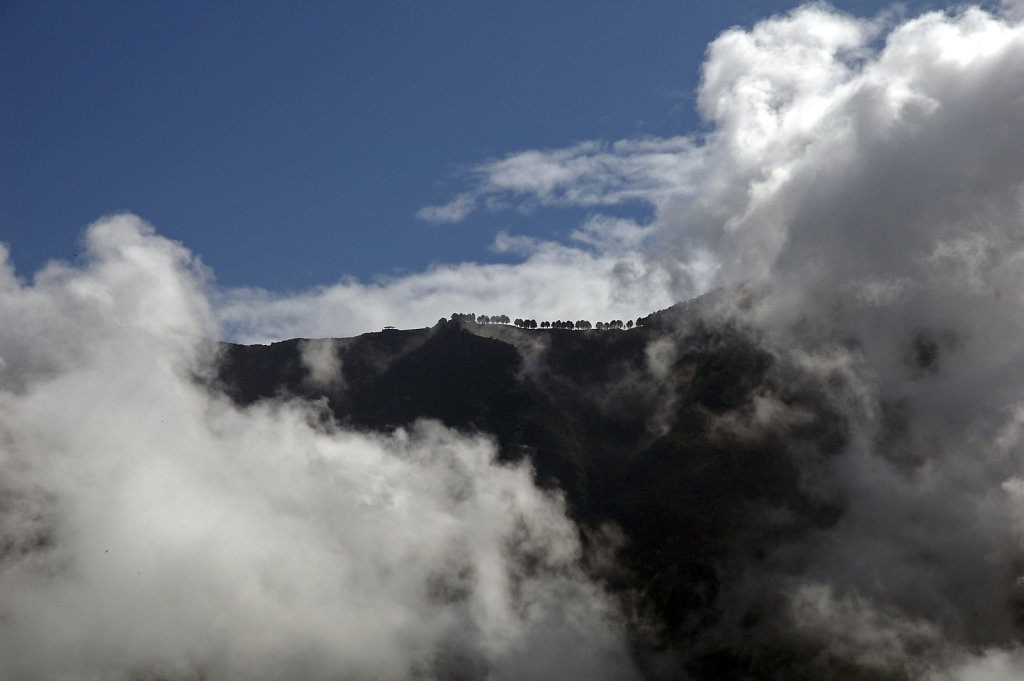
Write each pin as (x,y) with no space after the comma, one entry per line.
(588,174)
(454,211)
(552,281)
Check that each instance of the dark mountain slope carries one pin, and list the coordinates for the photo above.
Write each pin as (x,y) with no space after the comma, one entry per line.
(634,427)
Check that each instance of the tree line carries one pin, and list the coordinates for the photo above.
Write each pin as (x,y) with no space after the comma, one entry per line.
(579,325)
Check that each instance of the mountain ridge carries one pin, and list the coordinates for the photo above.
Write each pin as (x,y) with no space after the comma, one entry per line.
(630,426)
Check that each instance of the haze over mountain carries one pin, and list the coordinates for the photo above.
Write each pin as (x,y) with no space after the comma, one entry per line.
(814,472)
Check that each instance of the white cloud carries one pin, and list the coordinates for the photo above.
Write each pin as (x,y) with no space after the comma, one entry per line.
(993,665)
(150,528)
(613,235)
(867,178)
(879,198)
(588,174)
(876,137)
(553,281)
(454,211)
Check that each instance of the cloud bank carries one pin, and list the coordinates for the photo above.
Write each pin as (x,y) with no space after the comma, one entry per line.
(867,180)
(151,529)
(864,178)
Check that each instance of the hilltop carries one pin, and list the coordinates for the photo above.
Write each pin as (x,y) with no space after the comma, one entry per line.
(653,435)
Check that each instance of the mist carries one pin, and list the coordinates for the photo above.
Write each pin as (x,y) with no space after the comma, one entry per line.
(152,529)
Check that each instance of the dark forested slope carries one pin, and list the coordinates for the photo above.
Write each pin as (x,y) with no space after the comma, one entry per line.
(657,431)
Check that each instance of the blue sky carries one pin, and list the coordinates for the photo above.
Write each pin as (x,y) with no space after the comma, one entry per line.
(292,144)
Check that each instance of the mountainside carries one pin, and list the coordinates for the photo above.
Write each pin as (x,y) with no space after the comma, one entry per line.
(662,439)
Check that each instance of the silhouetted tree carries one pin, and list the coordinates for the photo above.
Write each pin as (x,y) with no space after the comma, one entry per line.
(629,324)
(483,319)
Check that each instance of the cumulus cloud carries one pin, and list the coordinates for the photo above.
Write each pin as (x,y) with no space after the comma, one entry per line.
(866,178)
(808,113)
(872,185)
(151,529)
